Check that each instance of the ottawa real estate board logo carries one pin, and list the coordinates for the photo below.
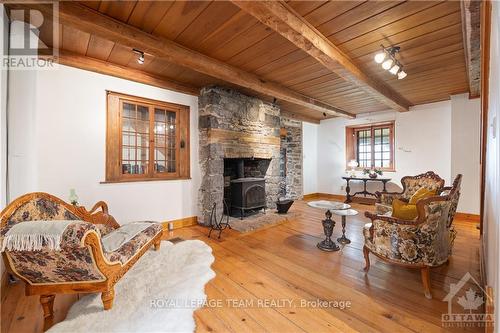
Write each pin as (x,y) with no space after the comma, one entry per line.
(29,37)
(466,305)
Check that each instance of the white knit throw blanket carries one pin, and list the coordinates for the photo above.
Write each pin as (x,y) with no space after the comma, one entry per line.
(33,235)
(115,239)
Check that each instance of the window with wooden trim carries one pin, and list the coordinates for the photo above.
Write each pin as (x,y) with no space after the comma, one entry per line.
(372,146)
(146,139)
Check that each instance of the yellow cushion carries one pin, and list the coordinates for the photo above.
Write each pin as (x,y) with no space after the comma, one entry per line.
(402,210)
(421,194)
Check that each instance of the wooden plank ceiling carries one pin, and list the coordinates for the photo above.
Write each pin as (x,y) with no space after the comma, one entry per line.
(428,32)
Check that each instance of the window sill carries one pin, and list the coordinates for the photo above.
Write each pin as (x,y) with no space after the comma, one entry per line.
(143,180)
(361,169)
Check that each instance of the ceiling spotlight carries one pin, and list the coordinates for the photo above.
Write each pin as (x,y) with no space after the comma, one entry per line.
(140,59)
(387,64)
(401,75)
(394,70)
(379,57)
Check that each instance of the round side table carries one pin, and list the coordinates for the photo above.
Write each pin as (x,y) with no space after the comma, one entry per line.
(344,213)
(328,224)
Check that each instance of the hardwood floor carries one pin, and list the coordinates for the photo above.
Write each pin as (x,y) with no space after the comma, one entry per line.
(282,264)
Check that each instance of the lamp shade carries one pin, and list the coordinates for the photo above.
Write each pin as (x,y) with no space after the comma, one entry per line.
(401,75)
(394,70)
(73,198)
(352,164)
(379,57)
(387,64)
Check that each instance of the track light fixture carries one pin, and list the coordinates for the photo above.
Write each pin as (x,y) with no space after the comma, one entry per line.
(387,57)
(140,53)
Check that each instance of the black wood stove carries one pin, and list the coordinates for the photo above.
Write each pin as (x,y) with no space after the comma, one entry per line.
(244,193)
(248,194)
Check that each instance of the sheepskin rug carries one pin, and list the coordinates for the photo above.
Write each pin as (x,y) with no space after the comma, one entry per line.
(158,294)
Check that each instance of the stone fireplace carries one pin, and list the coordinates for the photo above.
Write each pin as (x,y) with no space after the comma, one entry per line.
(240,139)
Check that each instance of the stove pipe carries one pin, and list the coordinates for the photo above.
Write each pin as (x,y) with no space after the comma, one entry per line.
(240,169)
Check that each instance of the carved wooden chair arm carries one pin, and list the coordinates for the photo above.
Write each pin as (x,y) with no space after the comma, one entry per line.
(100,204)
(445,188)
(390,219)
(96,216)
(93,240)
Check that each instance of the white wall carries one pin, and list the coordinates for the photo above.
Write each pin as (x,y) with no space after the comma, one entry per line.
(310,157)
(3,112)
(422,143)
(491,231)
(69,140)
(465,149)
(22,136)
(3,122)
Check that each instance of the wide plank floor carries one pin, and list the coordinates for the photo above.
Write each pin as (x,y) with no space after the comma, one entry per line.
(260,274)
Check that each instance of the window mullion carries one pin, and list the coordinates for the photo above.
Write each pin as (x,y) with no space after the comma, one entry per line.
(177,142)
(372,141)
(151,141)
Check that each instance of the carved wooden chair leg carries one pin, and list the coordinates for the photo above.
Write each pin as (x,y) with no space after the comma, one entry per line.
(157,245)
(107,298)
(426,281)
(366,253)
(47,302)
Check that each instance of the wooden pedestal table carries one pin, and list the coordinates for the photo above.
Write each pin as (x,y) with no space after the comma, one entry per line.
(344,213)
(328,224)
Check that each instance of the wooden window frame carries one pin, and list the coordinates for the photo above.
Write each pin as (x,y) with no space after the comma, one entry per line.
(351,144)
(114,137)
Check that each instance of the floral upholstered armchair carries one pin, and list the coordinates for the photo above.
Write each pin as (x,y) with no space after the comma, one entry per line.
(80,264)
(423,242)
(411,184)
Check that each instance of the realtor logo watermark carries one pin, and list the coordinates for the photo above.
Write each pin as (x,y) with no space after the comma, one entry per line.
(23,47)
(466,304)
(274,303)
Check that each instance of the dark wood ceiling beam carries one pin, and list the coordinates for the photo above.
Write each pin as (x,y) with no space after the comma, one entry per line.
(299,116)
(284,20)
(91,21)
(471,29)
(103,67)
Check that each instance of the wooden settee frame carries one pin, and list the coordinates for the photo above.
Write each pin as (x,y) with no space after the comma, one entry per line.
(112,271)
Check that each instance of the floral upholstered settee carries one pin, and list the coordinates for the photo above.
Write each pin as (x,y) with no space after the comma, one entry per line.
(423,242)
(411,184)
(81,264)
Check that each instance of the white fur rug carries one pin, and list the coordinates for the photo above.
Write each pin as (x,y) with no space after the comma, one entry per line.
(158,294)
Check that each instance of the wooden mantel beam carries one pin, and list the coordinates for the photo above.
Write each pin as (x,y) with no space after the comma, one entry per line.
(93,22)
(471,29)
(284,20)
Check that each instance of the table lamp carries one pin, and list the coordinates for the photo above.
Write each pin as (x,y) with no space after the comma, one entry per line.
(73,198)
(353,164)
